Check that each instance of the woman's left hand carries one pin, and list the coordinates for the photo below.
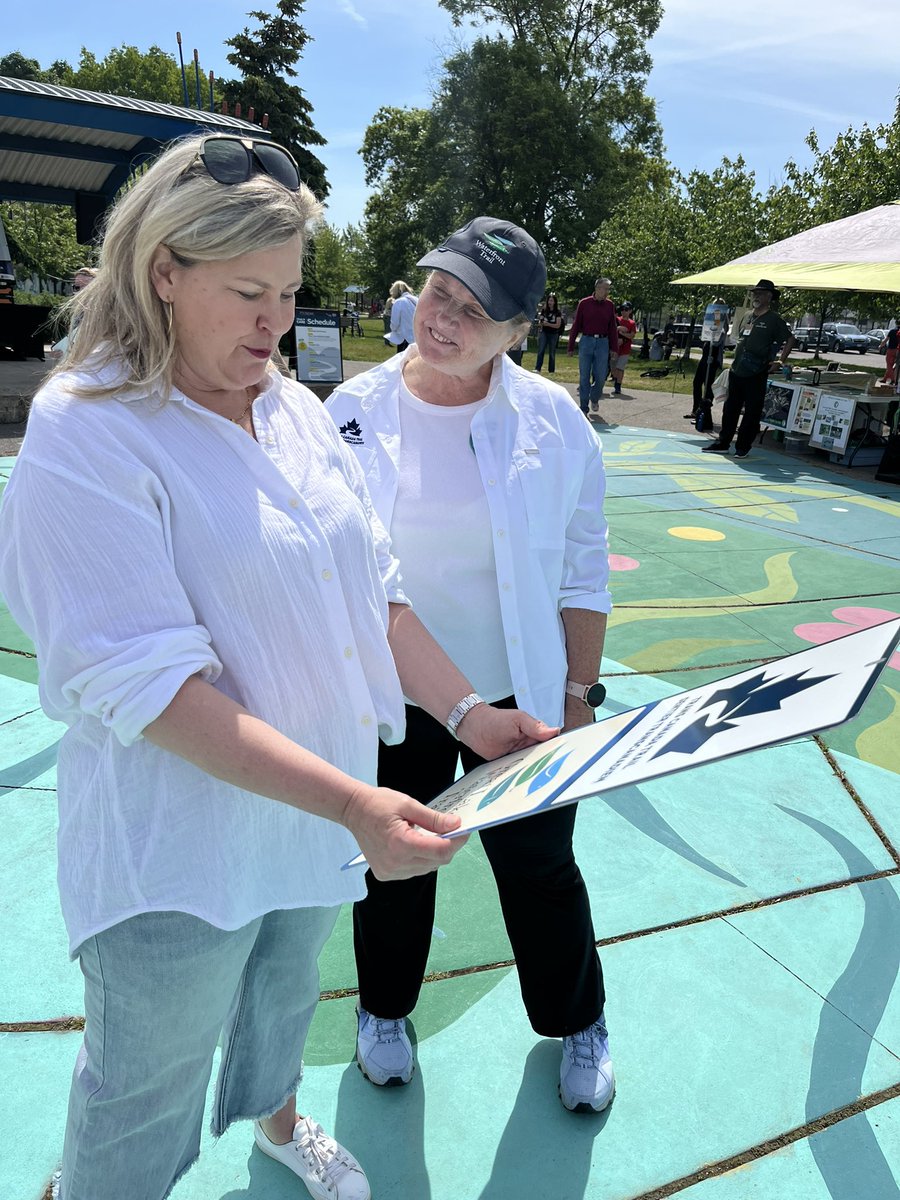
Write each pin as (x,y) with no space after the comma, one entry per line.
(491,731)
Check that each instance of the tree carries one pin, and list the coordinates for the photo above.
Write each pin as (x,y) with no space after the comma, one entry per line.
(264,58)
(594,50)
(128,71)
(332,269)
(42,238)
(544,122)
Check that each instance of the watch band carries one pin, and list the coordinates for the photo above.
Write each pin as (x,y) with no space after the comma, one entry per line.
(582,692)
(461,708)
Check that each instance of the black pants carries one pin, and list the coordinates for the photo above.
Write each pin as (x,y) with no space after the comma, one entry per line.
(542,894)
(706,373)
(747,393)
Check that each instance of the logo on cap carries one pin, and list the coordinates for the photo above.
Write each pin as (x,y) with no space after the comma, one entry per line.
(498,243)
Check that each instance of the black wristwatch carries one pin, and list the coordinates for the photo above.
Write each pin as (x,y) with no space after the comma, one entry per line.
(592,694)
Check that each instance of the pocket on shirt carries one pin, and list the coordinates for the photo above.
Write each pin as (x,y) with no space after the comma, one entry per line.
(550,483)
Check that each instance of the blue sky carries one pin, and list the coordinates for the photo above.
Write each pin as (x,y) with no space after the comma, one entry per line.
(728,79)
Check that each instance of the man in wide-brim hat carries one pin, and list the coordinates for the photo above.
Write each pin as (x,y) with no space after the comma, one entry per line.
(758,338)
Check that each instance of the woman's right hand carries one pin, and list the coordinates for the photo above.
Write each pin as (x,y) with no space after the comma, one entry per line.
(397,834)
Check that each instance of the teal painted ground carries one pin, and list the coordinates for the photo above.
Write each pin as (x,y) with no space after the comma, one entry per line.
(749,912)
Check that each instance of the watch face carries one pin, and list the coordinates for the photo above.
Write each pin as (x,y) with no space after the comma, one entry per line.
(596,694)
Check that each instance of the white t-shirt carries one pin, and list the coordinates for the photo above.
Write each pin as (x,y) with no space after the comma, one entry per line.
(441,533)
(144,542)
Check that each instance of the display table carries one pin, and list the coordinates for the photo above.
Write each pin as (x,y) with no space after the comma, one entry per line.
(839,420)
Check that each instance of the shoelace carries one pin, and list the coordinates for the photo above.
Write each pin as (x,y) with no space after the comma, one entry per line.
(385,1030)
(322,1153)
(586,1047)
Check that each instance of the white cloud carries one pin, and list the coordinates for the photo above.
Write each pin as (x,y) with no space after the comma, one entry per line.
(349,9)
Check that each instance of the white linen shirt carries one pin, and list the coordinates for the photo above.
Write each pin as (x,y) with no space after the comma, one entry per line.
(144,542)
(542,470)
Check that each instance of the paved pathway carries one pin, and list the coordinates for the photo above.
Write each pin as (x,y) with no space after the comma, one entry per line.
(749,912)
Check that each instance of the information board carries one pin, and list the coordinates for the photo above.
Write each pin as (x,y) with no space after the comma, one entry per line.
(777,405)
(832,422)
(317,333)
(804,413)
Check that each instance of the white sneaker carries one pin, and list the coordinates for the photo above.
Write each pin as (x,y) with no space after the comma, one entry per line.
(329,1171)
(383,1050)
(586,1077)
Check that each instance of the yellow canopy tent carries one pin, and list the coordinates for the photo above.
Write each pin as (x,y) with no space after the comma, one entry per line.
(859,253)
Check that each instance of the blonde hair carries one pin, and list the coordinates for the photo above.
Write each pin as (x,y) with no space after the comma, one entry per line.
(176,203)
(398,289)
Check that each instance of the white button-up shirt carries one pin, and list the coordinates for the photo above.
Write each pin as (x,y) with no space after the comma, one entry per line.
(542,470)
(144,542)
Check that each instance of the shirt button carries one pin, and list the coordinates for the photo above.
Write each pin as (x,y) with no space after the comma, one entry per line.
(492,482)
(507,587)
(514,641)
(326,575)
(270,441)
(294,502)
(348,652)
(366,720)
(501,533)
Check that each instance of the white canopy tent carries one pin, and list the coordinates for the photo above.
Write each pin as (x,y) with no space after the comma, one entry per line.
(859,253)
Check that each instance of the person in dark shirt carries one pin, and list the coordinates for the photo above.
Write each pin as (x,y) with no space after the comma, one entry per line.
(889,345)
(759,337)
(595,320)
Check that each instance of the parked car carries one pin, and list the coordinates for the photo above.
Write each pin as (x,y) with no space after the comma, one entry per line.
(685,335)
(875,337)
(840,337)
(807,336)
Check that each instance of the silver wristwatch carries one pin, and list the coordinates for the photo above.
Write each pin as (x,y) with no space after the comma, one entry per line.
(592,694)
(459,710)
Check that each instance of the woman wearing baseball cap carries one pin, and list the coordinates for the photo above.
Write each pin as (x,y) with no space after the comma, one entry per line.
(491,486)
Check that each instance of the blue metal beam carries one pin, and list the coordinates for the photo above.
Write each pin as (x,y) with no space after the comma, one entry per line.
(63,149)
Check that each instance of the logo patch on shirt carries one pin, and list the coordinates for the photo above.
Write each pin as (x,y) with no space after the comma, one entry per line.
(352,433)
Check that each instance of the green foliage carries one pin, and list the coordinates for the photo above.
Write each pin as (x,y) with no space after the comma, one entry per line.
(17,66)
(128,71)
(266,58)
(42,238)
(546,124)
(42,299)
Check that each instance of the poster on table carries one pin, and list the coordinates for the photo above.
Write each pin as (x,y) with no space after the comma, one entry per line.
(777,405)
(832,422)
(804,413)
(775,702)
(715,323)
(317,336)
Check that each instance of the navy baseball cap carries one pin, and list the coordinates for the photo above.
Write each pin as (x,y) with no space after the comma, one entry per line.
(501,265)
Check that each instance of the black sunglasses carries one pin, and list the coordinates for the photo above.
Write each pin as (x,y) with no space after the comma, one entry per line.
(231,159)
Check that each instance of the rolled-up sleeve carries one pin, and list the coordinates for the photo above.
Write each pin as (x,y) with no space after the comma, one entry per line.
(585,577)
(86,570)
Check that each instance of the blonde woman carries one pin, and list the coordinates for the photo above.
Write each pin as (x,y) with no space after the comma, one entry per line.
(217,618)
(403,309)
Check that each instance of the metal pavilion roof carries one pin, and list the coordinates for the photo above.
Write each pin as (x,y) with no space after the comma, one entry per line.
(61,145)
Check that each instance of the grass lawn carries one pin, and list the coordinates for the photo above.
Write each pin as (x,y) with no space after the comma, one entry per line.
(371,348)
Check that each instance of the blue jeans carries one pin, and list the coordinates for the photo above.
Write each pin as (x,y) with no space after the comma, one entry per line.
(593,364)
(547,342)
(160,989)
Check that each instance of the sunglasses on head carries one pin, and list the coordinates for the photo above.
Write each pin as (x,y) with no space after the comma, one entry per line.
(230,159)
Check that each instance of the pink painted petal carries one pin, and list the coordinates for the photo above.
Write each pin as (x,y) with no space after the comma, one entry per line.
(822,631)
(620,562)
(862,618)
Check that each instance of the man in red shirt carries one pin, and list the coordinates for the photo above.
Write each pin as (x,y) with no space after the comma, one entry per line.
(596,321)
(626,329)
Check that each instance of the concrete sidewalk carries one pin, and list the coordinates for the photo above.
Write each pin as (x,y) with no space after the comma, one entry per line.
(748,912)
